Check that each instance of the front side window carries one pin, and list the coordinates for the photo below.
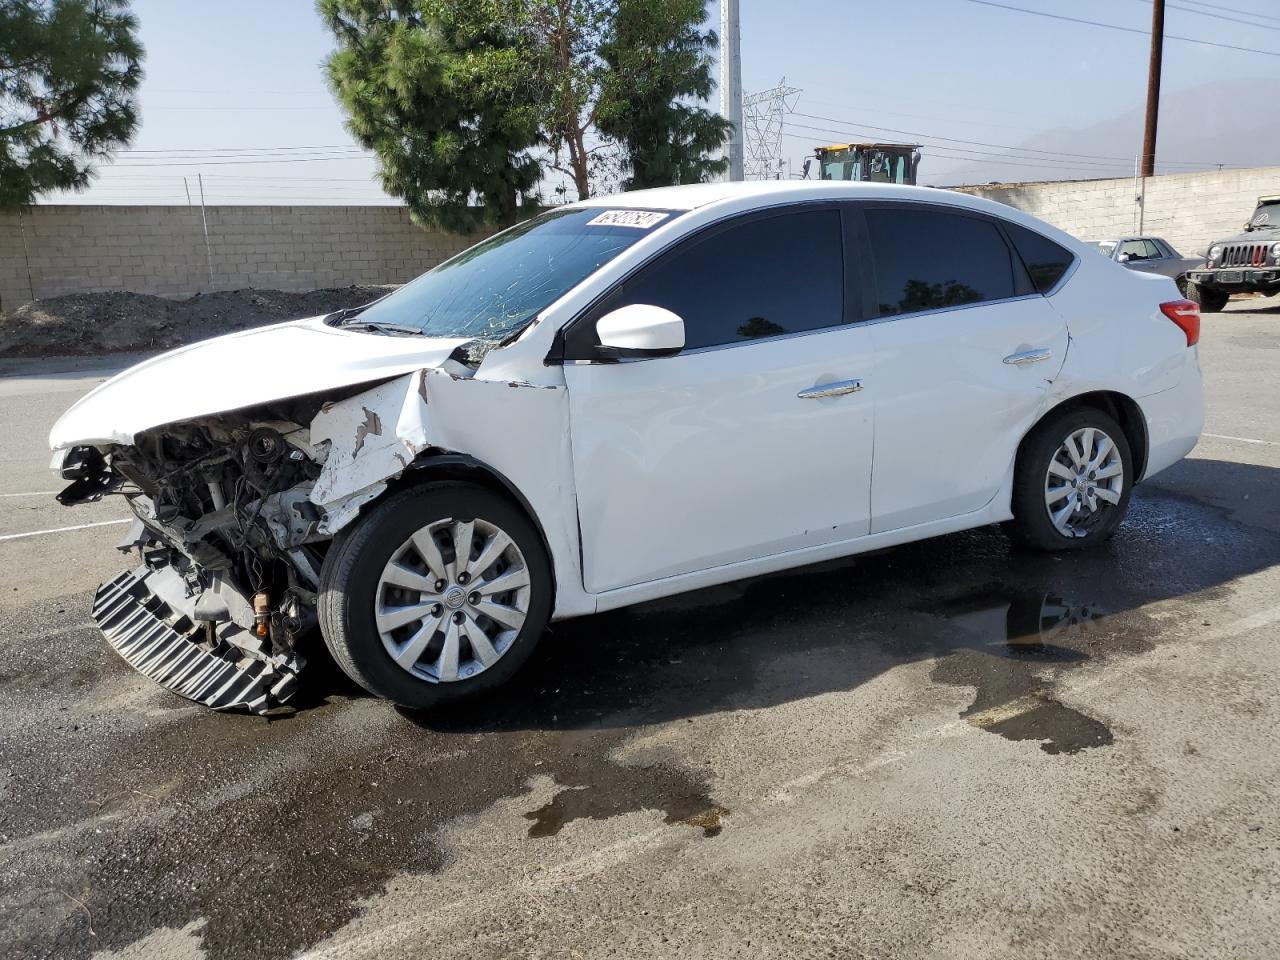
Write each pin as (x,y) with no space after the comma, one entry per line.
(1136,250)
(763,278)
(495,288)
(931,259)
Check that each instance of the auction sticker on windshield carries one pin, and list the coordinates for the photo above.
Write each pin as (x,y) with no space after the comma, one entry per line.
(640,219)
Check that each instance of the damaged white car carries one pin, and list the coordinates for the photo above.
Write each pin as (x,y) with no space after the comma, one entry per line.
(615,401)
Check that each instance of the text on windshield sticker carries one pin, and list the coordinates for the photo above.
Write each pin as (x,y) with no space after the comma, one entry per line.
(640,219)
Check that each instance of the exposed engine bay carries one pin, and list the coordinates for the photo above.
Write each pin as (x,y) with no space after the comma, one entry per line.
(238,494)
(228,541)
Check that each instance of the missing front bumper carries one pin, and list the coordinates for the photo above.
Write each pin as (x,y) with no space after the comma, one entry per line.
(141,628)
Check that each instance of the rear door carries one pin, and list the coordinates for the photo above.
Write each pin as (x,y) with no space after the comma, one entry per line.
(728,451)
(966,347)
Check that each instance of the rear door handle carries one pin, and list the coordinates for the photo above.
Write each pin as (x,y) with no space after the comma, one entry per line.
(837,389)
(1029,356)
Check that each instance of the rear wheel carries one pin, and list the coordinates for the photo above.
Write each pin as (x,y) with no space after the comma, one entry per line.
(1072,481)
(440,593)
(1209,299)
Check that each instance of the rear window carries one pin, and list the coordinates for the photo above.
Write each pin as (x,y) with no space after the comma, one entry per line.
(1046,261)
(930,259)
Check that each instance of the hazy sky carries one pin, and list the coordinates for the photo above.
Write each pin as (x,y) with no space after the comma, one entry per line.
(232,84)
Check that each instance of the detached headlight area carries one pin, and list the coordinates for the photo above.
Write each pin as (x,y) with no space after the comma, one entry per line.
(229,549)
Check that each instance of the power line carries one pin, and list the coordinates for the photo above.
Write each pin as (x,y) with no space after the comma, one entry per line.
(1046,162)
(1217,6)
(239,109)
(957,153)
(234,178)
(224,163)
(980,143)
(1216,16)
(353,154)
(203,150)
(1113,26)
(976,155)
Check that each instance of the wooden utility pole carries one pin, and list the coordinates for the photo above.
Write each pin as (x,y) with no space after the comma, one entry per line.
(1153,89)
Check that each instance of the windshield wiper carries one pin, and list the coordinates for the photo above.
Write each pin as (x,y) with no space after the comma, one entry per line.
(383,326)
(336,318)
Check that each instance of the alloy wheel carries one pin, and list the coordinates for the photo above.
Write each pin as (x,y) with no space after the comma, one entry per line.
(1085,479)
(452,599)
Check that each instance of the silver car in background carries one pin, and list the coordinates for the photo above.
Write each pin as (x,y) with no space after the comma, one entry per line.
(1150,255)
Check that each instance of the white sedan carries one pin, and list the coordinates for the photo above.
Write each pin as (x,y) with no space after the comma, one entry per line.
(618,400)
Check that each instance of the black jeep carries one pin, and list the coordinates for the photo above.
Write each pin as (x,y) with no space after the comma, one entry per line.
(1246,263)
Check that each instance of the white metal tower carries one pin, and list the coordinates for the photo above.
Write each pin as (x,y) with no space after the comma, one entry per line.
(763,115)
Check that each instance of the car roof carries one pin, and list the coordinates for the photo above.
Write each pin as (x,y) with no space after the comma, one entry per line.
(744,196)
(694,195)
(1145,236)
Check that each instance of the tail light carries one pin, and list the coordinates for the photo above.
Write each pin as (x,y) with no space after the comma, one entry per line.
(1187,316)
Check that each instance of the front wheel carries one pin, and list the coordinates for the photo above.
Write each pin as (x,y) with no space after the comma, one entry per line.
(1072,482)
(441,592)
(1209,299)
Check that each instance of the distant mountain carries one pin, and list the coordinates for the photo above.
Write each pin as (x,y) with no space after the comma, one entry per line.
(1224,122)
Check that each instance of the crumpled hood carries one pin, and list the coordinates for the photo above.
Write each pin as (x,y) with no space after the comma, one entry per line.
(241,370)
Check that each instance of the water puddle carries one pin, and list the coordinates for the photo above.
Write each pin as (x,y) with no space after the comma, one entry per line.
(627,790)
(1004,643)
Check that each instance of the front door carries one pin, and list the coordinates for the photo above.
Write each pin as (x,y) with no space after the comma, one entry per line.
(726,452)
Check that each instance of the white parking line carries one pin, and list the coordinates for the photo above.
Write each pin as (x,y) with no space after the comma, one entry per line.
(31,493)
(82,526)
(1223,436)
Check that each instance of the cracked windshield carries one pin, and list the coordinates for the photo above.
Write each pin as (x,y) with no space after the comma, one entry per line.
(496,287)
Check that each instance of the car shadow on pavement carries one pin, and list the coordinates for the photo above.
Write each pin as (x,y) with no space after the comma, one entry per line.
(332,805)
(991,616)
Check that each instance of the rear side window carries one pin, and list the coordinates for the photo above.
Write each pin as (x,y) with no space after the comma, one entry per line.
(930,259)
(763,278)
(1045,260)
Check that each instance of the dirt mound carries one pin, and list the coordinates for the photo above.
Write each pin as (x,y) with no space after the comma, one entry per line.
(92,323)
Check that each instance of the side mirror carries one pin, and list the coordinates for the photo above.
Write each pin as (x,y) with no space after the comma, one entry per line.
(640,330)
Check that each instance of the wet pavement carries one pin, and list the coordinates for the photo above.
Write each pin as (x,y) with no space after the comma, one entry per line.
(947,749)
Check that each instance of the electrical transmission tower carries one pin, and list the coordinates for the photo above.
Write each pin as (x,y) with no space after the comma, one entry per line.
(762,116)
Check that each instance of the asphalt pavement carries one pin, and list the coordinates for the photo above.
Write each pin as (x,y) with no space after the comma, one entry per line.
(943,750)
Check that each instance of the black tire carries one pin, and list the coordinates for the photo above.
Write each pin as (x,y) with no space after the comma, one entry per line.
(1031,525)
(349,588)
(1209,299)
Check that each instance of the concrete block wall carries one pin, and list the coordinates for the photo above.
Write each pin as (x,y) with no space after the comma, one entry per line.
(161,250)
(1190,210)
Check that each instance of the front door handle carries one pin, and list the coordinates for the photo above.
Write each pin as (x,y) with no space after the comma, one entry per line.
(837,389)
(1029,356)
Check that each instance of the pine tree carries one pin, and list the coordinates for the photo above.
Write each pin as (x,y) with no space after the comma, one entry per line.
(69,70)
(442,92)
(659,69)
(468,104)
